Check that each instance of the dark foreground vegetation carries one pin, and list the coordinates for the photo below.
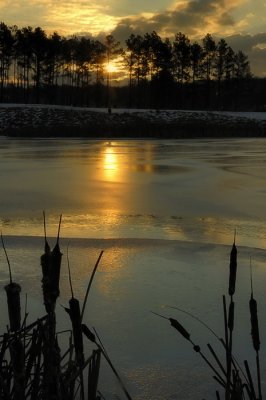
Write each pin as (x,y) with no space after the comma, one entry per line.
(33,365)
(150,72)
(234,380)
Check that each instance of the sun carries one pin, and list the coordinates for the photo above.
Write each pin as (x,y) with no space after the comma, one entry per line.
(111,67)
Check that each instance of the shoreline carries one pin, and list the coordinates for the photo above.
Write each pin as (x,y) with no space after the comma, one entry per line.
(43,121)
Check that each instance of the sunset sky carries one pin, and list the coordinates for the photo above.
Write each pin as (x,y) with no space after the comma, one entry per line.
(241,22)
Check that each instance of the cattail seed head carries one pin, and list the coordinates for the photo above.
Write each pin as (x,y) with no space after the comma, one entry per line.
(88,333)
(254,323)
(180,328)
(76,325)
(13,302)
(233,268)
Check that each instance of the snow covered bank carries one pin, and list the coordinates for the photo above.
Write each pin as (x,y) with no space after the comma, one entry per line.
(65,121)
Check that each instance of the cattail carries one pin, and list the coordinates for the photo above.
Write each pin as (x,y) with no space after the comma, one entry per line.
(196,348)
(254,317)
(46,257)
(51,265)
(46,264)
(88,333)
(233,268)
(13,301)
(75,316)
(254,323)
(56,266)
(13,298)
(180,328)
(76,325)
(231,316)
(176,325)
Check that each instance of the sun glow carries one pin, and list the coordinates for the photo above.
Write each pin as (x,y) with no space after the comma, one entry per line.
(110,163)
(111,67)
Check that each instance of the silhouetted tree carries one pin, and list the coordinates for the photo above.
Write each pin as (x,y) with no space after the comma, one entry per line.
(196,58)
(181,57)
(6,48)
(113,50)
(220,67)
(209,48)
(229,61)
(98,58)
(242,76)
(242,66)
(129,59)
(39,45)
(37,67)
(181,64)
(139,63)
(53,60)
(23,58)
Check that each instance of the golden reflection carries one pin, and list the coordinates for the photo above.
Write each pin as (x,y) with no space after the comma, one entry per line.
(116,160)
(110,163)
(201,229)
(115,269)
(214,230)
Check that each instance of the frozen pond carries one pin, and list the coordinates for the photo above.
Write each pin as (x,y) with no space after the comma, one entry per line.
(186,190)
(164,212)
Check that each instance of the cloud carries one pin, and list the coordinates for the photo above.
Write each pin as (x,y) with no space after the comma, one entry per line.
(246,42)
(258,57)
(255,48)
(200,7)
(194,17)
(64,16)
(226,19)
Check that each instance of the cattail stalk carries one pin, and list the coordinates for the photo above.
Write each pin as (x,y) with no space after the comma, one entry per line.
(93,374)
(56,266)
(255,331)
(75,316)
(13,297)
(230,321)
(233,269)
(18,367)
(216,358)
(230,343)
(89,285)
(46,264)
(228,359)
(250,381)
(217,395)
(106,356)
(196,348)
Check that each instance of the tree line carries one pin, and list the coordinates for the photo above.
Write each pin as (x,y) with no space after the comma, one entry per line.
(159,73)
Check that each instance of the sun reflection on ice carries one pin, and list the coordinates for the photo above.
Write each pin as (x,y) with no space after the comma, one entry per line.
(110,163)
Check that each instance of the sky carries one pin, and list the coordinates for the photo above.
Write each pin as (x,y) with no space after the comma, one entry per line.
(242,23)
